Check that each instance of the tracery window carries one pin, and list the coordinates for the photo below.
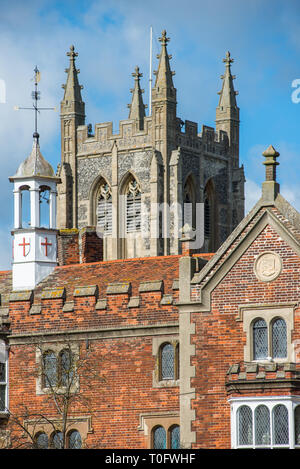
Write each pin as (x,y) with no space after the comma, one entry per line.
(189,204)
(104,209)
(133,206)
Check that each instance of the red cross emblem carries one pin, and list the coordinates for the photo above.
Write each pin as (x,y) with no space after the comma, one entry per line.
(24,244)
(46,244)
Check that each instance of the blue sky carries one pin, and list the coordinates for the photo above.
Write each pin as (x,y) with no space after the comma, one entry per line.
(112,37)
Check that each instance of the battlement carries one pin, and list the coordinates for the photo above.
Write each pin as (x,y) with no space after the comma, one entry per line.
(208,141)
(128,137)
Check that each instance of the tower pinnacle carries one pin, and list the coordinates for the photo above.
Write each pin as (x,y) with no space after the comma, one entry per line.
(72,88)
(137,107)
(227,94)
(164,81)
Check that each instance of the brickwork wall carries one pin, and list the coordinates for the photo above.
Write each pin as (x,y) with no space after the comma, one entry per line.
(69,302)
(219,337)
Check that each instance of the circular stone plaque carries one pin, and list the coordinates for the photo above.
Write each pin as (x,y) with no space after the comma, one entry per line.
(267,266)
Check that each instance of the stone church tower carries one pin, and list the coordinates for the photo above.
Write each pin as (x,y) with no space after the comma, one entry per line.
(137,189)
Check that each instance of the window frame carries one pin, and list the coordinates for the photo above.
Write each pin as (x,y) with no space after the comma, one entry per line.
(157,345)
(271,402)
(5,383)
(57,349)
(269,313)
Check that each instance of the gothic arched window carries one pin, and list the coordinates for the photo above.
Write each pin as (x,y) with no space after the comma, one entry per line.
(189,207)
(104,208)
(133,206)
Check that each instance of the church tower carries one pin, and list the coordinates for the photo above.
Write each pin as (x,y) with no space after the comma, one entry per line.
(72,111)
(164,123)
(34,233)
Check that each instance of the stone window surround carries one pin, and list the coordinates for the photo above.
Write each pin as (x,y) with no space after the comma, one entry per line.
(81,423)
(148,422)
(57,348)
(156,348)
(290,402)
(248,313)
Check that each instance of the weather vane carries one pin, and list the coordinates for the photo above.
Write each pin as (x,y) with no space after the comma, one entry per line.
(36,96)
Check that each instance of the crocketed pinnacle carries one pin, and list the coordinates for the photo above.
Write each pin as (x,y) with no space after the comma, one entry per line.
(137,107)
(164,80)
(72,87)
(227,94)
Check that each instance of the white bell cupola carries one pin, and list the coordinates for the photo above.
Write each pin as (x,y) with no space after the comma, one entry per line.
(35,231)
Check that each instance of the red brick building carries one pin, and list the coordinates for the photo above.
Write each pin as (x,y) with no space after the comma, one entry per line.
(190,350)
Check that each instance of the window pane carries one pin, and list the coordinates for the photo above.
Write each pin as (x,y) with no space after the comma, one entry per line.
(167,362)
(297,425)
(262,426)
(245,425)
(75,440)
(2,372)
(50,369)
(57,440)
(2,398)
(159,438)
(42,441)
(175,437)
(66,368)
(279,342)
(281,425)
(260,339)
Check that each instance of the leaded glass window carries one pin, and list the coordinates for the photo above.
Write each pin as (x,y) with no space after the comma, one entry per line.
(42,441)
(66,369)
(175,437)
(297,425)
(260,339)
(279,339)
(262,425)
(245,436)
(74,440)
(281,425)
(167,362)
(2,397)
(104,209)
(159,438)
(50,369)
(57,440)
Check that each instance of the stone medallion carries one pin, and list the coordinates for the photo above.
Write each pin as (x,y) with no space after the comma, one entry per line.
(267,266)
